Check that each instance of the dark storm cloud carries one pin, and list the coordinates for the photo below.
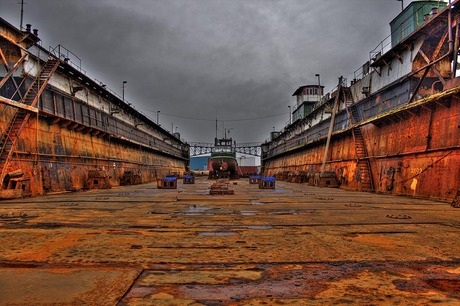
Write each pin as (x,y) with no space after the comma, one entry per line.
(236,59)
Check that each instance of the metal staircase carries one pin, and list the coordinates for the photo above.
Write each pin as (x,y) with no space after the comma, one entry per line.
(9,138)
(363,163)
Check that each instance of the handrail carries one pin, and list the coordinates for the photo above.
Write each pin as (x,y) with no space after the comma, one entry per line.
(249,144)
(385,45)
(201,144)
(67,56)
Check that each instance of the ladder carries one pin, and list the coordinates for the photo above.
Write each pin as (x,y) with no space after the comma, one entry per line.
(363,162)
(10,136)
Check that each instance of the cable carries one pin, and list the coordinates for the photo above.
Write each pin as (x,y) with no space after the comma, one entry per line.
(224,120)
(189,118)
(271,116)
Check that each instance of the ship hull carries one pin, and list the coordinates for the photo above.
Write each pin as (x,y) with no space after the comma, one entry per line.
(223,163)
(413,153)
(223,167)
(63,131)
(55,158)
(395,127)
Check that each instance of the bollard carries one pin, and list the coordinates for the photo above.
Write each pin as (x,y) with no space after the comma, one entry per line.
(189,179)
(254,179)
(326,179)
(167,182)
(267,182)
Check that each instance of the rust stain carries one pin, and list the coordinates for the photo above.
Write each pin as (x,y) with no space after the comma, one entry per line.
(46,249)
(377,240)
(292,244)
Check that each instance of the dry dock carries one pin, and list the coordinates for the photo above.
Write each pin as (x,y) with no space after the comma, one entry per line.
(294,245)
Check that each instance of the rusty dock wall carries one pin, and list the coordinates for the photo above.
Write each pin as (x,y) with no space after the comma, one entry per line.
(62,130)
(394,128)
(58,159)
(414,151)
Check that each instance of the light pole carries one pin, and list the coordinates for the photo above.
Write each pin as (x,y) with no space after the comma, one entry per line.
(124,82)
(319,86)
(290,121)
(402,4)
(158,117)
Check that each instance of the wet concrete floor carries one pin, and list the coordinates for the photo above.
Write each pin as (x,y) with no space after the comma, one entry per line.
(294,245)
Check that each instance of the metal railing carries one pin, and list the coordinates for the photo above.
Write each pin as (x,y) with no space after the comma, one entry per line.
(386,44)
(67,56)
(201,144)
(93,118)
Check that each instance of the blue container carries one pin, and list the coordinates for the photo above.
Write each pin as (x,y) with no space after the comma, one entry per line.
(254,179)
(167,182)
(189,179)
(267,182)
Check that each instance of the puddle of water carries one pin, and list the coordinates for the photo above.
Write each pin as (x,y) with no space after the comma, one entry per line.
(259,227)
(194,210)
(260,203)
(218,234)
(249,212)
(284,212)
(158,212)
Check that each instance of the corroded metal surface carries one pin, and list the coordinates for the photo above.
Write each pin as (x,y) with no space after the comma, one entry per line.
(61,159)
(422,161)
(395,128)
(293,245)
(80,125)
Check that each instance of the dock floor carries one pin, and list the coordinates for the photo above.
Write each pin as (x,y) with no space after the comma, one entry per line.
(292,245)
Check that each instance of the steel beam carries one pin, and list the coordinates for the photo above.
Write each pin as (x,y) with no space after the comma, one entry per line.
(18,105)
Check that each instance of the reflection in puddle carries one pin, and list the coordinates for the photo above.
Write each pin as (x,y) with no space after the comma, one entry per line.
(249,212)
(196,210)
(284,212)
(261,227)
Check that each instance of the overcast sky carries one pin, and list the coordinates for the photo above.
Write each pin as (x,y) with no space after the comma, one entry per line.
(193,60)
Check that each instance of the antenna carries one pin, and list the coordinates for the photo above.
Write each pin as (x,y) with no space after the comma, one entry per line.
(22,14)
(223,128)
